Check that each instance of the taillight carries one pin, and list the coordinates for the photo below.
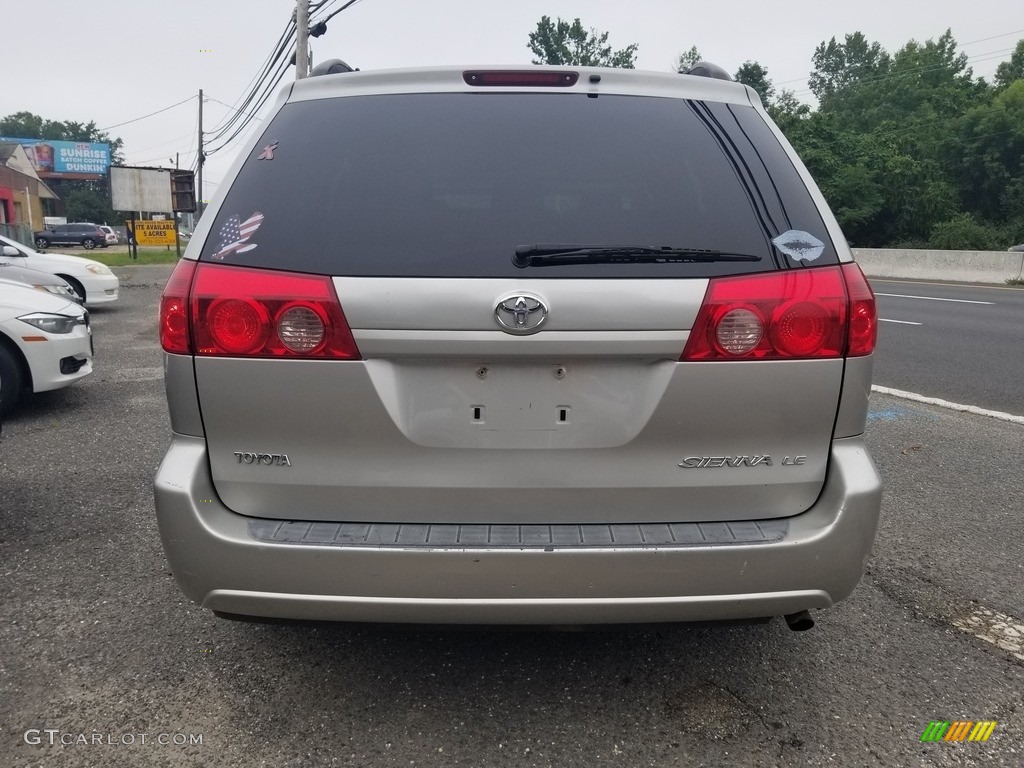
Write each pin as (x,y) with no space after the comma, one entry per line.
(174,331)
(521,78)
(242,312)
(805,314)
(863,313)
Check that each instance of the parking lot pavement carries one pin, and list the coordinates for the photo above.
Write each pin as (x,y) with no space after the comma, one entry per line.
(98,645)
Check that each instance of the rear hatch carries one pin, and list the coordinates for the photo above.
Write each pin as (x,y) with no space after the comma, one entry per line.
(586,380)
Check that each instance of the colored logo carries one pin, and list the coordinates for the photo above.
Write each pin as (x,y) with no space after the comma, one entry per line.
(958,730)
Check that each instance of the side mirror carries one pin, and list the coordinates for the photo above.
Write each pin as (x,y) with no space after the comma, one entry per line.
(10,250)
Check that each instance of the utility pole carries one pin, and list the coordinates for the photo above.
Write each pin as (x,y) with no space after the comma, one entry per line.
(175,214)
(202,157)
(302,43)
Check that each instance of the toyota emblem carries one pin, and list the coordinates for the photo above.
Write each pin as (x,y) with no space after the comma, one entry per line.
(521,314)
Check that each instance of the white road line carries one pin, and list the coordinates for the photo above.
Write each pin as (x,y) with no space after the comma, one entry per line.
(930,284)
(946,404)
(934,298)
(904,322)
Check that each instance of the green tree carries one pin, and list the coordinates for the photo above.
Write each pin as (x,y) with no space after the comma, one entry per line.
(687,59)
(929,82)
(965,232)
(1010,71)
(23,125)
(84,203)
(837,66)
(560,42)
(788,112)
(756,76)
(989,150)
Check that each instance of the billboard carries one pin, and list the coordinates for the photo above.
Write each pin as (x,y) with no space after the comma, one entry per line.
(54,159)
(140,189)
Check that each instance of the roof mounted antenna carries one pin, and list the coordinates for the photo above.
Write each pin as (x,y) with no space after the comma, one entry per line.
(331,67)
(707,69)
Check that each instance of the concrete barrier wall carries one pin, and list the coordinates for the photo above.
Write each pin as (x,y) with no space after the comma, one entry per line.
(959,266)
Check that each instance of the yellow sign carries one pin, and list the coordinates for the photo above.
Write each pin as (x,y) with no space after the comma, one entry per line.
(154,232)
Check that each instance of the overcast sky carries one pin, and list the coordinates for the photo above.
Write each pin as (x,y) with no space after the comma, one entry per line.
(112,61)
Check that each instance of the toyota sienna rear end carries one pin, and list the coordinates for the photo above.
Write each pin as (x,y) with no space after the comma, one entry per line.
(520,345)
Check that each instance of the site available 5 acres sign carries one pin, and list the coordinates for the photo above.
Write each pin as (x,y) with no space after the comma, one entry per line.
(153,232)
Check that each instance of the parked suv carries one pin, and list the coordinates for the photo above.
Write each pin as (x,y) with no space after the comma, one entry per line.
(530,345)
(88,236)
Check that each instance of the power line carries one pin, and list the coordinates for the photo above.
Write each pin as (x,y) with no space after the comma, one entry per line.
(163,143)
(248,110)
(136,119)
(232,127)
(257,82)
(193,143)
(229,106)
(994,37)
(264,97)
(331,16)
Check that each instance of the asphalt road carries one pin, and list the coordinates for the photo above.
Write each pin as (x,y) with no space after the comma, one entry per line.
(962,343)
(97,643)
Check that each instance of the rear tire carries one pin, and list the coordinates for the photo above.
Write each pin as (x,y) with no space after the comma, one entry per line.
(88,244)
(11,381)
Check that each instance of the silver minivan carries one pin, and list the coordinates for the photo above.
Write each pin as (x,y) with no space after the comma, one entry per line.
(528,345)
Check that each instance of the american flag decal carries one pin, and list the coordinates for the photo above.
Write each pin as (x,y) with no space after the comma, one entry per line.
(234,235)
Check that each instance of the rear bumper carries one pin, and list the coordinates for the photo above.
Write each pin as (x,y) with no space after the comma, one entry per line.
(227,563)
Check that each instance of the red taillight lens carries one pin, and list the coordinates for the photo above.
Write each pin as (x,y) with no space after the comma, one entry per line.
(772,316)
(217,309)
(801,328)
(238,326)
(863,312)
(174,331)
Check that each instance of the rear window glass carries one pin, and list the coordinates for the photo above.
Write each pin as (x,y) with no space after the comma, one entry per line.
(448,185)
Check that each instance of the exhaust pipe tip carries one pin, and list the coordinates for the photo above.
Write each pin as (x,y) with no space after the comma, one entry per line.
(799,622)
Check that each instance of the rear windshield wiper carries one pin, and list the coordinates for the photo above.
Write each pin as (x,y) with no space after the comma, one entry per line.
(559,254)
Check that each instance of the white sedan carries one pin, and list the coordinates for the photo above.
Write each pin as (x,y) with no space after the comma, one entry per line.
(45,342)
(93,281)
